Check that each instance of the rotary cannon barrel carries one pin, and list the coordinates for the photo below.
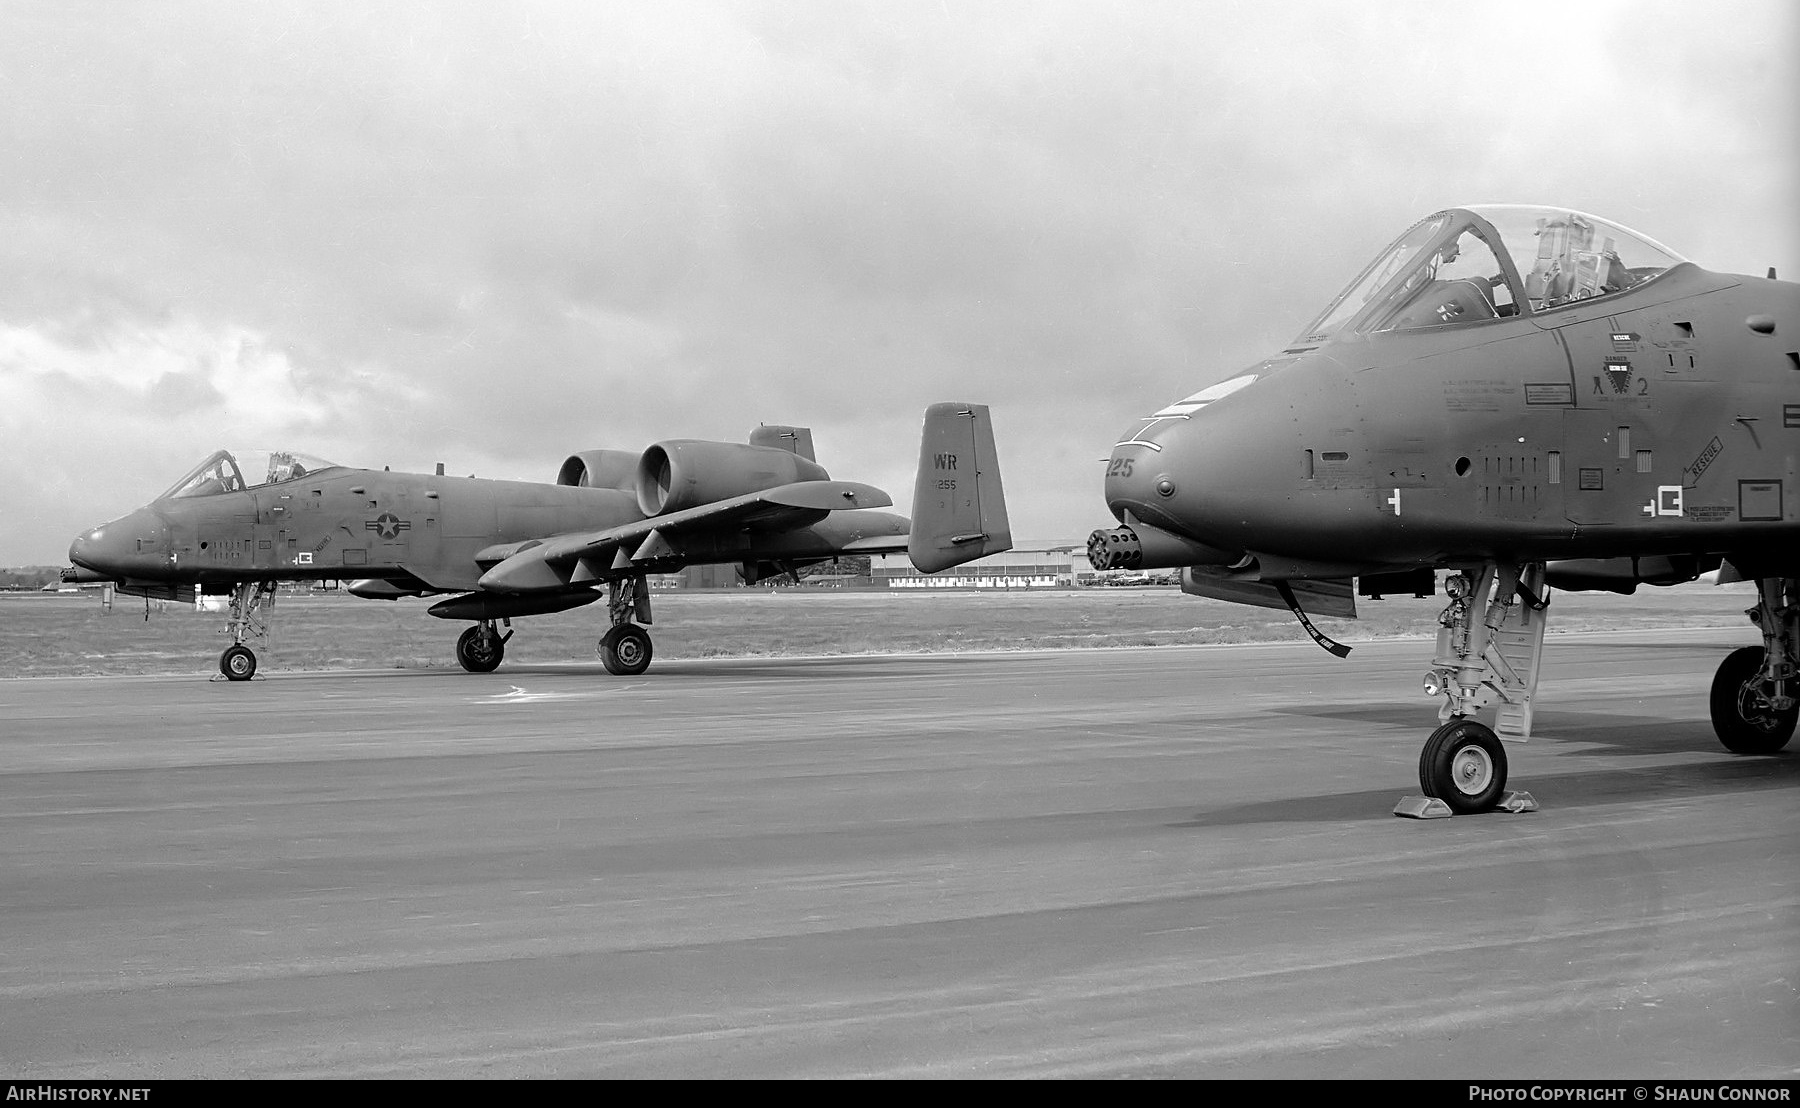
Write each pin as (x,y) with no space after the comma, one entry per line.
(1140,546)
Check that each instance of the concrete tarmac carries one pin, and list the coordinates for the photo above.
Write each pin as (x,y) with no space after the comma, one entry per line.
(1177,861)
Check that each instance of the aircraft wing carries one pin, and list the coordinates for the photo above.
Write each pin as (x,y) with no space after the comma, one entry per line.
(876,544)
(584,557)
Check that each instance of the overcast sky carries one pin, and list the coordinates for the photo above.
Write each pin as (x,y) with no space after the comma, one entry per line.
(493,234)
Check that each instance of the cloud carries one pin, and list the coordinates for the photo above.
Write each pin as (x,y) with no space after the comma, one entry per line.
(402,233)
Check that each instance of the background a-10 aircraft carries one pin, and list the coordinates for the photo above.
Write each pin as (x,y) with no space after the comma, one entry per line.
(239,523)
(1527,398)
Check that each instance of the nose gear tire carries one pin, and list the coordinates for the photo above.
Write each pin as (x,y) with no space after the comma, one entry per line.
(238,663)
(1463,765)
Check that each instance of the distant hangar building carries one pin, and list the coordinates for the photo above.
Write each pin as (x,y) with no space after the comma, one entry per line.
(1028,565)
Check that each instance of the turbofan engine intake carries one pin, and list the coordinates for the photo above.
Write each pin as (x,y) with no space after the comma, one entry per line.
(600,469)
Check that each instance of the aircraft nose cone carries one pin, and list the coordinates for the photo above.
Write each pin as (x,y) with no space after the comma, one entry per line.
(1143,477)
(81,550)
(1226,468)
(133,543)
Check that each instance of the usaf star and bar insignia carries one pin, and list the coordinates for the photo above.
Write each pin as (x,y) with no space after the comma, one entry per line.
(388,526)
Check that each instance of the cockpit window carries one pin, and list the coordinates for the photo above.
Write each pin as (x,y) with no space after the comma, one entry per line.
(1466,265)
(230,471)
(1565,256)
(1378,276)
(1459,281)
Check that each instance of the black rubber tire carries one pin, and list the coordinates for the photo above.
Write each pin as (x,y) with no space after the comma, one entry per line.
(480,650)
(1463,764)
(1743,727)
(238,663)
(625,650)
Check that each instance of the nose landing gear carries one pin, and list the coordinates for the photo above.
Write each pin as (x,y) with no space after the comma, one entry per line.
(1490,643)
(250,602)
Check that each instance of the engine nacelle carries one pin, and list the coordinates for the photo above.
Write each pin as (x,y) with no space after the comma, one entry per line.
(686,473)
(600,469)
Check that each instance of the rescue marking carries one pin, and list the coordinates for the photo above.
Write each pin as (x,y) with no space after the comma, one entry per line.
(1713,450)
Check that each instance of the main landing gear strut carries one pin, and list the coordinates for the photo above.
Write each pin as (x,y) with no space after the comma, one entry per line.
(1753,694)
(625,648)
(1490,641)
(250,603)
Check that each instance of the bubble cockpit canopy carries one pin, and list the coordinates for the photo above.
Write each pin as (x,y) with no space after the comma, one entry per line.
(1466,265)
(235,470)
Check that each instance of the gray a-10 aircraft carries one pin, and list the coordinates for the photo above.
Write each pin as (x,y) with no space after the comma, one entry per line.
(1526,398)
(238,523)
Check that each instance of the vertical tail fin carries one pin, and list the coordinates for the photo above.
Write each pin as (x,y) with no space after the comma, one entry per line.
(795,439)
(959,509)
